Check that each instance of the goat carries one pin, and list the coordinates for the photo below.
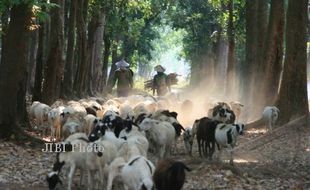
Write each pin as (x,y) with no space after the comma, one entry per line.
(160,134)
(76,155)
(223,113)
(270,116)
(39,112)
(206,135)
(188,140)
(236,107)
(226,136)
(55,122)
(170,174)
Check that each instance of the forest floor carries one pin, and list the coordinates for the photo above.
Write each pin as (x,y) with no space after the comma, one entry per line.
(279,159)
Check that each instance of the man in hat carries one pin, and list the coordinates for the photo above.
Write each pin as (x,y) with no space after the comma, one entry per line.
(160,81)
(124,77)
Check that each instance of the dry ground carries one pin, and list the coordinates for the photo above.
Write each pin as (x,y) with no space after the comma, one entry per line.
(279,159)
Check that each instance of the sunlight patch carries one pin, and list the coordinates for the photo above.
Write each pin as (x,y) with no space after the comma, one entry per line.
(256,131)
(245,161)
(240,160)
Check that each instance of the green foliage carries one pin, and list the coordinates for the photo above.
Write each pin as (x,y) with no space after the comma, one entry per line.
(133,23)
(200,18)
(40,8)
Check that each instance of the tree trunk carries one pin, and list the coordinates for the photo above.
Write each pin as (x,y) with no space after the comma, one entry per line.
(261,25)
(37,92)
(13,71)
(33,47)
(114,60)
(106,55)
(251,45)
(68,72)
(273,54)
(4,27)
(54,63)
(292,100)
(82,67)
(95,40)
(231,70)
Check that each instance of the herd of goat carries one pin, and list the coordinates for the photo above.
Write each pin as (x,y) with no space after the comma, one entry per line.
(116,136)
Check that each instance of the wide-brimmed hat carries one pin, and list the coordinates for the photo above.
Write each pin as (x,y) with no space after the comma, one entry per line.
(159,68)
(122,63)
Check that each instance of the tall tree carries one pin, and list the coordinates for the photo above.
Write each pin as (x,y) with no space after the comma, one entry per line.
(32,55)
(95,44)
(80,85)
(231,69)
(273,53)
(251,50)
(13,70)
(106,55)
(115,58)
(292,100)
(68,72)
(54,63)
(4,26)
(37,91)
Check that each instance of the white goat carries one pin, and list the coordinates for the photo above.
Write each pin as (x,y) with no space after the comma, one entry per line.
(161,135)
(39,112)
(270,116)
(90,122)
(74,123)
(126,112)
(55,122)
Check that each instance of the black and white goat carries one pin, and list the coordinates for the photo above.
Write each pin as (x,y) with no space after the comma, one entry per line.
(170,174)
(222,112)
(113,121)
(226,135)
(75,157)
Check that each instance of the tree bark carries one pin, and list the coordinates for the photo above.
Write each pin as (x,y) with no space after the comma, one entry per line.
(13,71)
(54,63)
(273,54)
(262,26)
(67,89)
(231,70)
(114,60)
(33,47)
(95,40)
(251,46)
(37,92)
(292,100)
(106,55)
(4,27)
(82,67)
